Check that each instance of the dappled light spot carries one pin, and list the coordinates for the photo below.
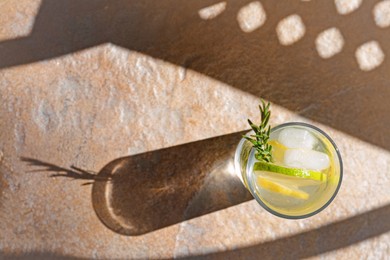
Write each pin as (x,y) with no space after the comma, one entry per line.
(347,6)
(329,43)
(251,16)
(212,11)
(369,56)
(290,30)
(382,14)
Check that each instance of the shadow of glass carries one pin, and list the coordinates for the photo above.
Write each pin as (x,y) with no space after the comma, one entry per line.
(141,193)
(315,242)
(72,173)
(157,189)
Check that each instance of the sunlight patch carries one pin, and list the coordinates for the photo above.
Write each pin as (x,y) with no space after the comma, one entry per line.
(17,20)
(290,30)
(369,56)
(329,43)
(251,17)
(347,6)
(212,11)
(382,14)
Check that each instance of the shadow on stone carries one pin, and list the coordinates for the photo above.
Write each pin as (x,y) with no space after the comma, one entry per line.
(331,91)
(72,173)
(36,255)
(156,189)
(141,193)
(314,242)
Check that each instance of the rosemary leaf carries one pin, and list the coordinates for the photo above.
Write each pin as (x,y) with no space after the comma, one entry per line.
(262,132)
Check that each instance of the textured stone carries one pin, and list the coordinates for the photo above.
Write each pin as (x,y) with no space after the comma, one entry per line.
(85,83)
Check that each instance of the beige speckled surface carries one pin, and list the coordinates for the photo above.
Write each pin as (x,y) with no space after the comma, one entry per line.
(85,83)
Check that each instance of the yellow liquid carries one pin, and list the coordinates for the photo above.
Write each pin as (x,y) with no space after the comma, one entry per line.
(290,195)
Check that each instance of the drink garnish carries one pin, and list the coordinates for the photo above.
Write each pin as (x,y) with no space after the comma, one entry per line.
(264,151)
(297,172)
(278,151)
(270,185)
(261,134)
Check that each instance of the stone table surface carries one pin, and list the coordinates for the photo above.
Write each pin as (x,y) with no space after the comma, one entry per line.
(157,93)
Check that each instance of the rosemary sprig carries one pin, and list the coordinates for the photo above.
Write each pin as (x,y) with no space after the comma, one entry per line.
(261,136)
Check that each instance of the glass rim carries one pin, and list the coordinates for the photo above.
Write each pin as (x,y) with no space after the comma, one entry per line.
(257,198)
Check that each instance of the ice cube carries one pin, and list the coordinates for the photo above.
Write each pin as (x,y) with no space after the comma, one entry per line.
(307,159)
(297,138)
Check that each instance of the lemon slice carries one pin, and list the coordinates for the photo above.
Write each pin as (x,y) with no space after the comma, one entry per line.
(288,180)
(267,184)
(278,150)
(302,173)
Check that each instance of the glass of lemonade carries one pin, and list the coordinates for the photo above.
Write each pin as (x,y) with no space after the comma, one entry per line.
(304,176)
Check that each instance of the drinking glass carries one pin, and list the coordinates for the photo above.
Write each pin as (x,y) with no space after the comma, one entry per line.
(286,196)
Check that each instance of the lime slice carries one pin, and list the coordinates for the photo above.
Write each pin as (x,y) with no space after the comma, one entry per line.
(302,173)
(267,184)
